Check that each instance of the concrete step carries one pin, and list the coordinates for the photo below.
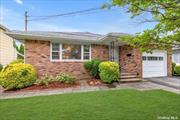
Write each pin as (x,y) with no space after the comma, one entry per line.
(130,80)
(128,76)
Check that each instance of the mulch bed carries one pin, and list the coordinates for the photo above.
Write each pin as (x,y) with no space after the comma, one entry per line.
(53,85)
(94,82)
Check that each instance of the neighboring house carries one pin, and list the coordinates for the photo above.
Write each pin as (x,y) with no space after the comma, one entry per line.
(7,51)
(54,52)
(176,56)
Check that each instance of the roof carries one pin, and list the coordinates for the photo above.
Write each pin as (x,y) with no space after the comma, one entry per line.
(61,36)
(4,28)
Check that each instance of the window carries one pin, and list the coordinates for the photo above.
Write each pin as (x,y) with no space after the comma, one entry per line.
(70,52)
(55,51)
(176,58)
(160,58)
(144,58)
(86,53)
(152,58)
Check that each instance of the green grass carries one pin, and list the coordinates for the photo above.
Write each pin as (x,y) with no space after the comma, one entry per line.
(101,105)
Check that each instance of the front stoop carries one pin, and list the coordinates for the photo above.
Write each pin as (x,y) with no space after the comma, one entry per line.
(129,77)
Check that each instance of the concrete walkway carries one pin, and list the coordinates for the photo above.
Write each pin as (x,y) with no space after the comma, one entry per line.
(173,82)
(84,87)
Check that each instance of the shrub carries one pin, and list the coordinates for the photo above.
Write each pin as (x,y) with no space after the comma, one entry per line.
(17,76)
(88,65)
(45,80)
(13,62)
(17,61)
(109,71)
(65,78)
(93,67)
(1,67)
(173,67)
(177,70)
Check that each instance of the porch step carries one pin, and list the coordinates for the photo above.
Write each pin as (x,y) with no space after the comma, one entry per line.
(128,76)
(130,80)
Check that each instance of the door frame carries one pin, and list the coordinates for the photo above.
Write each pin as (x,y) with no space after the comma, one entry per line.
(114,51)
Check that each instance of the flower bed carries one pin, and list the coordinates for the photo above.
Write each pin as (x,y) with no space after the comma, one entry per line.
(52,85)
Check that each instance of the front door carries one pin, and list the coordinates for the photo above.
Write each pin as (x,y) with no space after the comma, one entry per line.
(114,52)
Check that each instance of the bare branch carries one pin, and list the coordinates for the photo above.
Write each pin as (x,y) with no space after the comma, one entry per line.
(148,20)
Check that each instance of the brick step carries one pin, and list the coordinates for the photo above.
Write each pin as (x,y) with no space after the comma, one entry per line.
(130,80)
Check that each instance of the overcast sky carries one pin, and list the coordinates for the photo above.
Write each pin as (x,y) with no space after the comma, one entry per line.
(102,21)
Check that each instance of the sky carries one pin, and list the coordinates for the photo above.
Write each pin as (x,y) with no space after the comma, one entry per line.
(101,22)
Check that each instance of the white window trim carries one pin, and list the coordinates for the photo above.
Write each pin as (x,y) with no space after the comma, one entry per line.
(70,60)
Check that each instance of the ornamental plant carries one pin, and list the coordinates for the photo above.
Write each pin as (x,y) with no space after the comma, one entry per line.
(1,67)
(93,67)
(17,76)
(13,62)
(173,68)
(17,61)
(109,71)
(45,80)
(177,70)
(65,78)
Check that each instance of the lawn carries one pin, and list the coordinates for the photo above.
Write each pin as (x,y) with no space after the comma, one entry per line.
(100,105)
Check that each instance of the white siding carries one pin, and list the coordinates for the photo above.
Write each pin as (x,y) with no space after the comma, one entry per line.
(7,51)
(176,58)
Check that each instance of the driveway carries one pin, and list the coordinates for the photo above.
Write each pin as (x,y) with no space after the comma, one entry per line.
(173,82)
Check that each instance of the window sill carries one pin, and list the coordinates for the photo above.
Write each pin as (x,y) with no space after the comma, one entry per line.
(68,61)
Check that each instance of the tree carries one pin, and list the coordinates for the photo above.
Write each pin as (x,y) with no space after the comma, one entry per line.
(166,32)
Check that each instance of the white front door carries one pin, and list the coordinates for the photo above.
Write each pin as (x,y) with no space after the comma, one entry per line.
(155,64)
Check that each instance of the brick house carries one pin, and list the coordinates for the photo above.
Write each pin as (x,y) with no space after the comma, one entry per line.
(54,52)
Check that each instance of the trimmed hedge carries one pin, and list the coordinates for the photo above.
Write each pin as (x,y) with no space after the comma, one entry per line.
(93,67)
(1,67)
(17,76)
(173,68)
(109,71)
(13,62)
(177,70)
(17,61)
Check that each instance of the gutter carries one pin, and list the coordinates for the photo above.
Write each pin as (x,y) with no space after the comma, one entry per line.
(27,36)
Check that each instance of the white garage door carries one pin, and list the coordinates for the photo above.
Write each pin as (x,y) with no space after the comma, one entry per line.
(155,64)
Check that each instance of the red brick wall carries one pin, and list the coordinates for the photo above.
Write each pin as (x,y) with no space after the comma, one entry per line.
(100,51)
(131,63)
(37,53)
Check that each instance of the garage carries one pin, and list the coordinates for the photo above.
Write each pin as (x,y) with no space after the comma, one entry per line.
(155,64)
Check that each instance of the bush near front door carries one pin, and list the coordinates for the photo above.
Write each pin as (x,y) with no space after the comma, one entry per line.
(93,67)
(109,71)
